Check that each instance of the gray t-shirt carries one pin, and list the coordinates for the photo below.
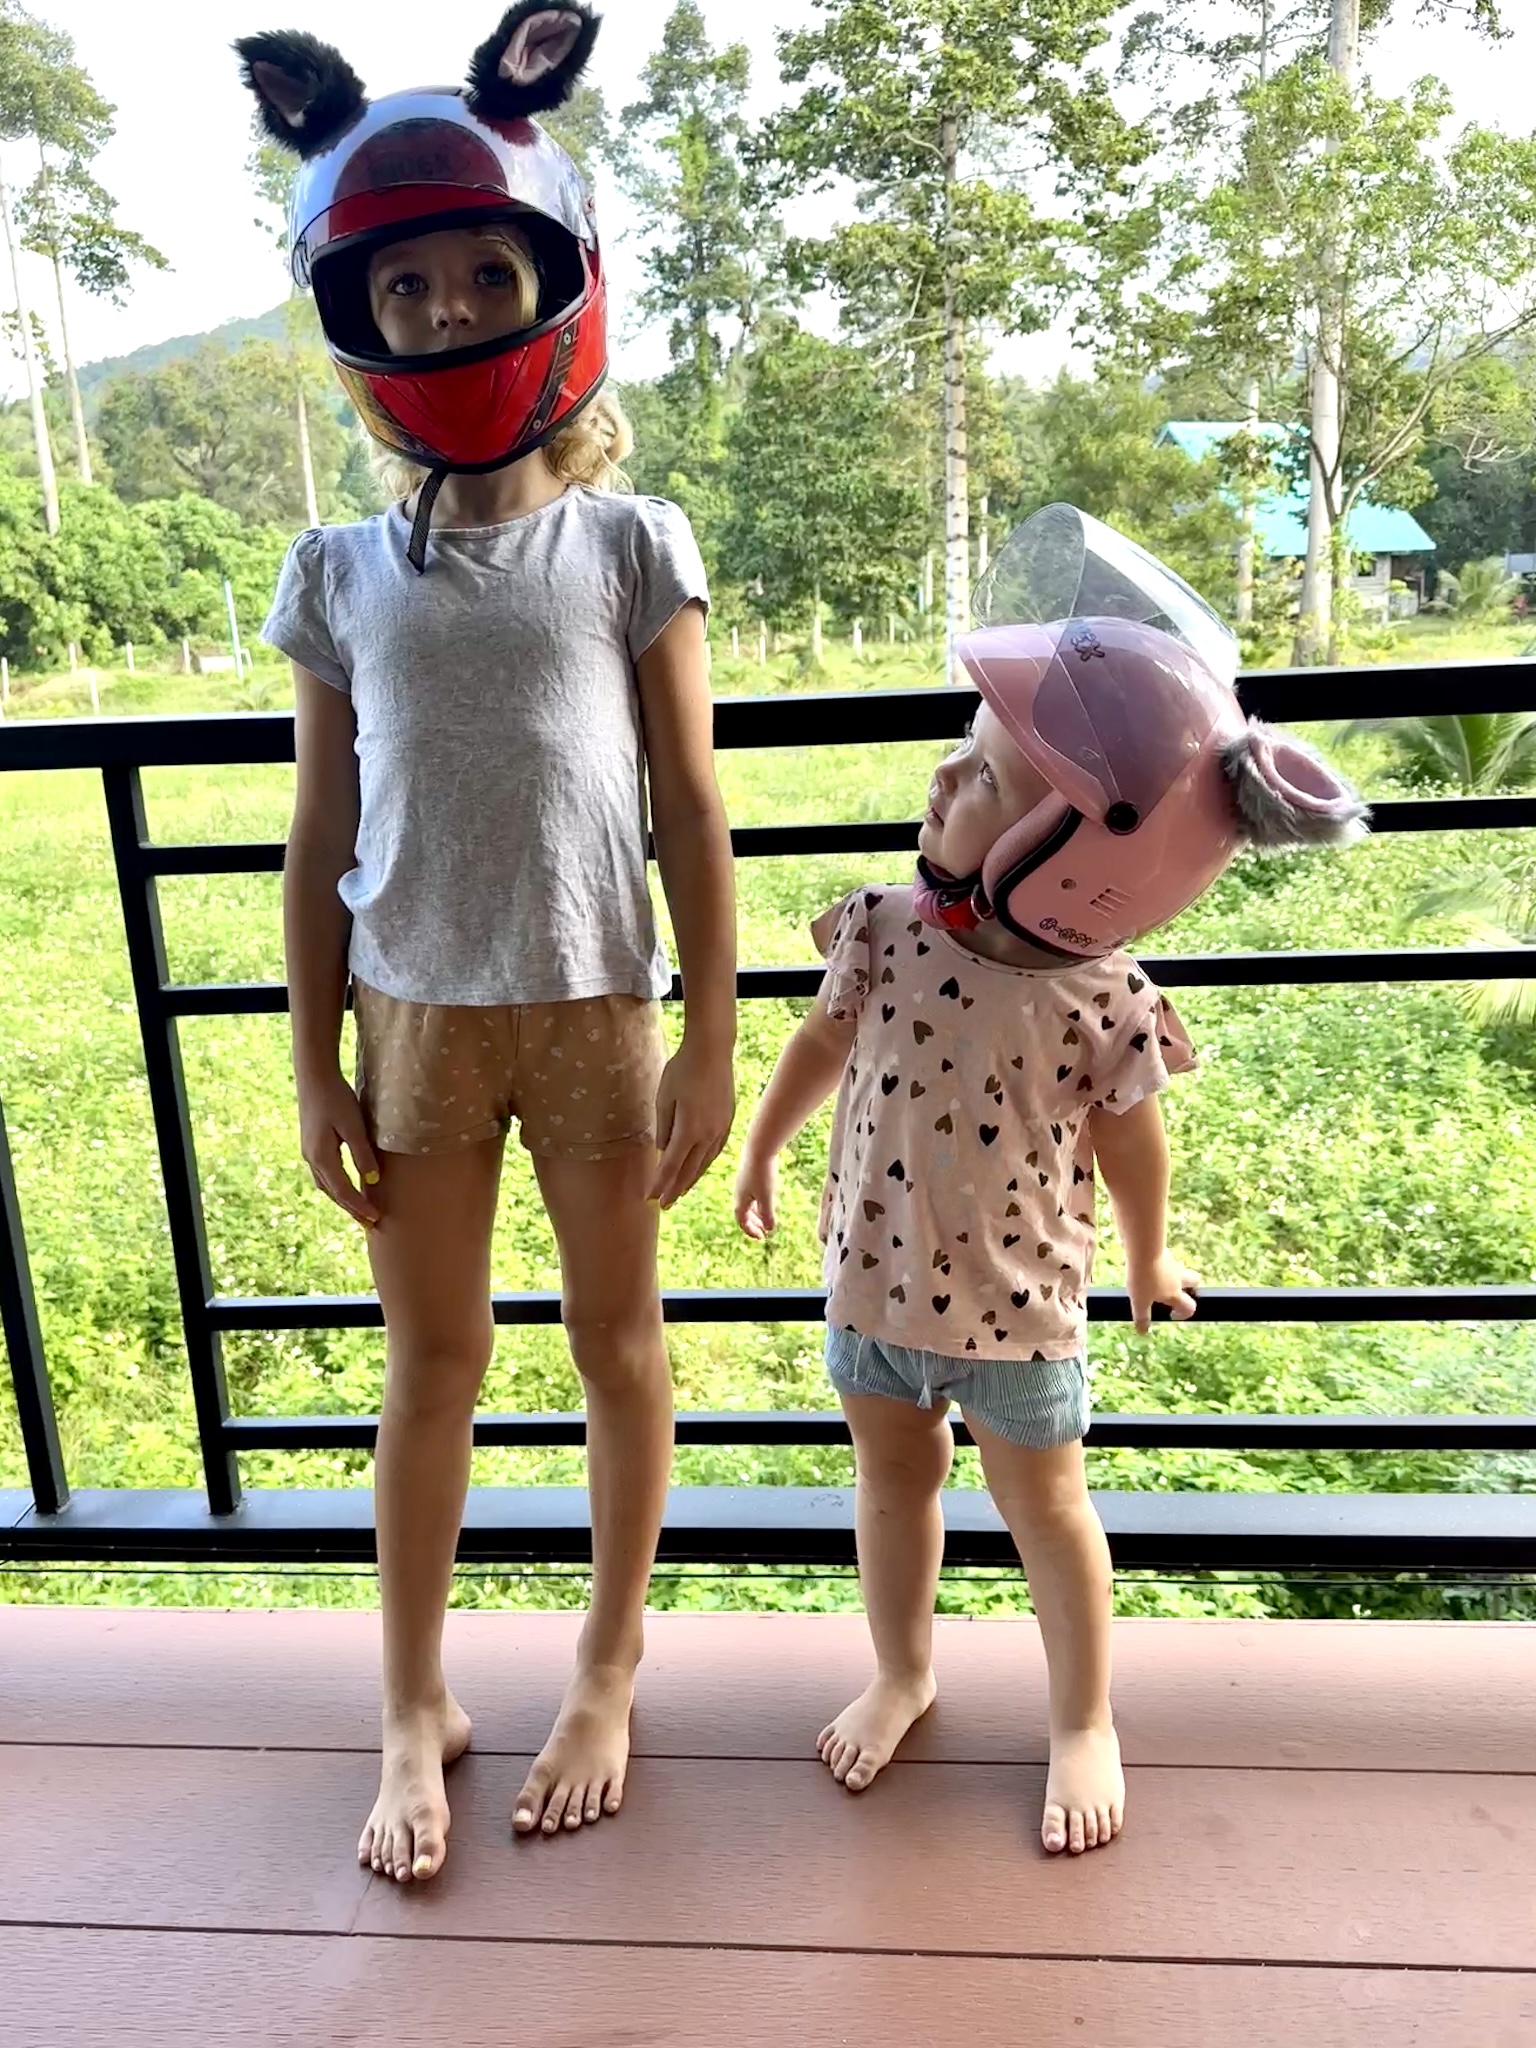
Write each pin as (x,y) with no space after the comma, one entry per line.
(501,851)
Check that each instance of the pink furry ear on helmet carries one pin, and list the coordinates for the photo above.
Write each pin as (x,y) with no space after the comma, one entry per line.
(1286,794)
(533,61)
(307,91)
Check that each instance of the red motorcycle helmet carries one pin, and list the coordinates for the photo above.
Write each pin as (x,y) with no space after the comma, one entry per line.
(374,172)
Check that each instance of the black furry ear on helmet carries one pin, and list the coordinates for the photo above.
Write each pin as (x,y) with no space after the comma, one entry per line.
(533,61)
(1286,794)
(307,92)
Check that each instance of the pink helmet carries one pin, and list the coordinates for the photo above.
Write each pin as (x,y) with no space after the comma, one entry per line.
(1115,681)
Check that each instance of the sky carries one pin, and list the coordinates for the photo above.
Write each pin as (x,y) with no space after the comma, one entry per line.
(176,162)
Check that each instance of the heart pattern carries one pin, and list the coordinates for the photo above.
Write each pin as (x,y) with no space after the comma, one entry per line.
(1025,1089)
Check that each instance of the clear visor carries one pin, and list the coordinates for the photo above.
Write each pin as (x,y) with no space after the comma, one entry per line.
(1062,565)
(1107,669)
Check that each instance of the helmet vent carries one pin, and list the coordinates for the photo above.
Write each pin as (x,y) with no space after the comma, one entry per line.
(1111,903)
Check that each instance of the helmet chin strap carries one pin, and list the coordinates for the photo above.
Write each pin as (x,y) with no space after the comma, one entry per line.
(952,903)
(426,498)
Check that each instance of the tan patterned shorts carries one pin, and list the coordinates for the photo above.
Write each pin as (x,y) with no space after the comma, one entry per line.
(580,1078)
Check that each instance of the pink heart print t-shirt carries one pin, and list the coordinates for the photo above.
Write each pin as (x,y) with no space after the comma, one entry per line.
(958,1214)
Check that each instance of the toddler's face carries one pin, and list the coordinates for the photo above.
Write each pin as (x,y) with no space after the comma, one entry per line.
(451,289)
(981,789)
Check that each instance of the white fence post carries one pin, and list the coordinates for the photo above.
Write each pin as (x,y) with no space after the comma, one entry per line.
(234,630)
(5,679)
(762,646)
(128,650)
(186,657)
(95,694)
(735,643)
(858,638)
(73,663)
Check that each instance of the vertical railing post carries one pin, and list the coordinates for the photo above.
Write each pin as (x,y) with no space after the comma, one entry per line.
(173,1130)
(24,1342)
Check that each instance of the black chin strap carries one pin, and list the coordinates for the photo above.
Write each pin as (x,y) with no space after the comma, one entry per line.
(426,498)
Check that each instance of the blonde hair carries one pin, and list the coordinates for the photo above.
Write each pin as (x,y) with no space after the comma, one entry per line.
(589,451)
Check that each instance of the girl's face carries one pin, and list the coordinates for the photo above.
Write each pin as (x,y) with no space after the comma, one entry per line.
(451,289)
(985,786)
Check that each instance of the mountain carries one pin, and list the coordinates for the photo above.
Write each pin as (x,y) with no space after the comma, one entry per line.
(94,377)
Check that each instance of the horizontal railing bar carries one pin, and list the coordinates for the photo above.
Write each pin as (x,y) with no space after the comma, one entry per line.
(827,1428)
(808,1305)
(896,835)
(779,1525)
(831,718)
(1390,965)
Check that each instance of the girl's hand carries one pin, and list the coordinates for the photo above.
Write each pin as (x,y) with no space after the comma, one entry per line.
(331,1116)
(1167,1280)
(695,1108)
(757,1187)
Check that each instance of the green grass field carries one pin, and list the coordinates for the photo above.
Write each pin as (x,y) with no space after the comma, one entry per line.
(1336,1136)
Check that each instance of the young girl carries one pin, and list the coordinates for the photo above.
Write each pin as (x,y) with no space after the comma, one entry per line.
(995,1049)
(489,677)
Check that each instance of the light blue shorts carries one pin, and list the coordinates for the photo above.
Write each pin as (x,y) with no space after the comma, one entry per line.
(1040,1404)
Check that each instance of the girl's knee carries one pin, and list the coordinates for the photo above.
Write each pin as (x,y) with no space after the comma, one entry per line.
(906,1463)
(618,1354)
(438,1379)
(1044,1492)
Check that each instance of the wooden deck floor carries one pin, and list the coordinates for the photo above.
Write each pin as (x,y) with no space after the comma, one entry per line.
(1331,1839)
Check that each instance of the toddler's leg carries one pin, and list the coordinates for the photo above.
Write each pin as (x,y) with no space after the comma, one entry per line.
(1043,1497)
(904,1454)
(612,1310)
(431,1264)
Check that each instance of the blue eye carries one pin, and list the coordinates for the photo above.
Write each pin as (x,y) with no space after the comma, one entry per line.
(406,285)
(495,274)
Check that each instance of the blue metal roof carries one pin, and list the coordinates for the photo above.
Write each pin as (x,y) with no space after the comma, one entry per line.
(1280,517)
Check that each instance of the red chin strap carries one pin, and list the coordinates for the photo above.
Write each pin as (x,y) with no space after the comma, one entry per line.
(948,902)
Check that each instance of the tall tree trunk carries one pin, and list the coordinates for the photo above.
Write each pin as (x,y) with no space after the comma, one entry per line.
(72,382)
(1317,630)
(1247,547)
(957,492)
(76,408)
(311,502)
(44,446)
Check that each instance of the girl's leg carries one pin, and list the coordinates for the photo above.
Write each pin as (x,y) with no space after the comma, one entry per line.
(431,1264)
(606,1228)
(903,1454)
(1043,1497)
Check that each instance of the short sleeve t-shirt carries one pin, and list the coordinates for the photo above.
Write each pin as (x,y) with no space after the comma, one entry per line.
(501,849)
(958,1215)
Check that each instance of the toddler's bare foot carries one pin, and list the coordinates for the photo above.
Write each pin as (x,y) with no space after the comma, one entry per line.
(579,1774)
(864,1737)
(1084,1792)
(407,1831)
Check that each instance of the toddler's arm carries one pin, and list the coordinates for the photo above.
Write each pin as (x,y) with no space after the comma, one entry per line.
(808,1070)
(1132,1154)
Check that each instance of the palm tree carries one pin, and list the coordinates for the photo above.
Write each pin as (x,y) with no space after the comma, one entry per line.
(1485,590)
(1476,752)
(1491,906)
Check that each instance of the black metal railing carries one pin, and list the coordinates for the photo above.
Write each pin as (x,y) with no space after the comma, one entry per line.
(763,1523)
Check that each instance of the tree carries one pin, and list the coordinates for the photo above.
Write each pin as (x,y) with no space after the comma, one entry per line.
(581,128)
(1094,445)
(939,111)
(825,508)
(272,171)
(66,216)
(1476,753)
(44,97)
(219,423)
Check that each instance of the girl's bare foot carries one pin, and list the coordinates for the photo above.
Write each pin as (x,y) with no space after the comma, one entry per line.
(579,1774)
(1084,1791)
(407,1831)
(864,1737)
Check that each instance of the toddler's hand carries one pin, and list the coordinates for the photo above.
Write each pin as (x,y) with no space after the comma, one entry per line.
(757,1185)
(1167,1280)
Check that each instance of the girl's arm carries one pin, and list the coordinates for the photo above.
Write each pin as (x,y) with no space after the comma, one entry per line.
(1132,1153)
(697,1100)
(809,1068)
(322,843)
